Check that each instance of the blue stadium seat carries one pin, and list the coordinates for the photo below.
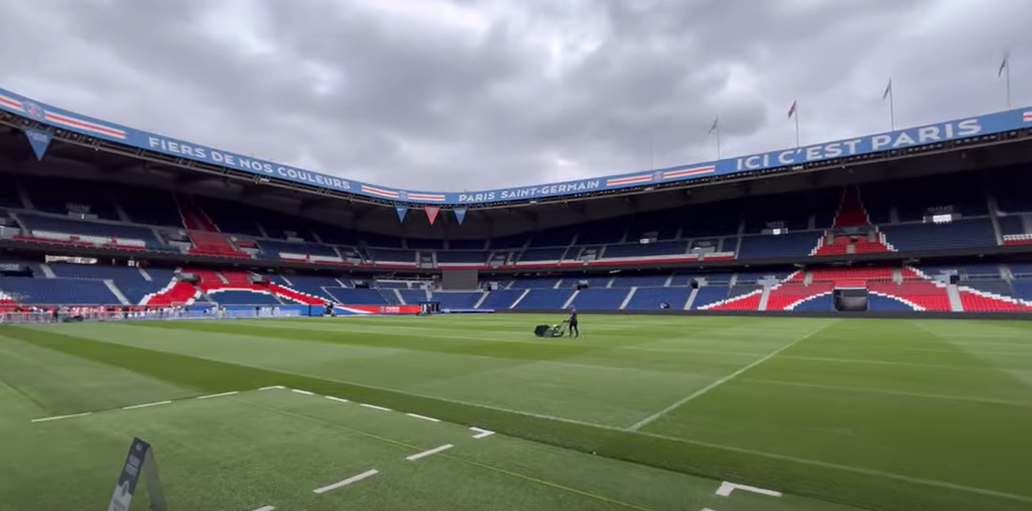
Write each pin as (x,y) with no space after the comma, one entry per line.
(972,233)
(243,298)
(392,256)
(501,299)
(62,196)
(313,284)
(148,206)
(86,228)
(818,303)
(467,244)
(884,303)
(422,244)
(128,280)
(272,249)
(599,299)
(350,296)
(545,299)
(9,197)
(794,244)
(630,250)
(542,254)
(451,256)
(650,298)
(534,283)
(457,299)
(640,281)
(43,291)
(708,295)
(413,296)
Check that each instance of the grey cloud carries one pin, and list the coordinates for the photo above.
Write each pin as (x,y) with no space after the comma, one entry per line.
(434,104)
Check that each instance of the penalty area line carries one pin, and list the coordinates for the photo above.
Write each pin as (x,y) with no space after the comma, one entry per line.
(224,394)
(703,391)
(59,417)
(146,405)
(346,482)
(435,450)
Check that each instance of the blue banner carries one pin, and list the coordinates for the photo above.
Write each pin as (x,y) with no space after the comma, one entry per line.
(901,139)
(402,211)
(460,215)
(39,140)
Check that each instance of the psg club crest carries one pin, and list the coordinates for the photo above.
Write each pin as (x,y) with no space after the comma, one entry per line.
(403,195)
(35,111)
(657,176)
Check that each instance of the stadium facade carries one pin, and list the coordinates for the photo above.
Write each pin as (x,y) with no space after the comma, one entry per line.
(931,218)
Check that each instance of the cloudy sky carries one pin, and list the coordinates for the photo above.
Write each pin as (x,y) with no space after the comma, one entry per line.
(469,94)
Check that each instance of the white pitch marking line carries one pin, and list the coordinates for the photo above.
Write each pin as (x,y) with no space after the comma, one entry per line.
(273,387)
(726,488)
(347,481)
(59,417)
(305,392)
(424,417)
(224,394)
(435,450)
(698,393)
(374,407)
(481,433)
(133,407)
(266,508)
(337,399)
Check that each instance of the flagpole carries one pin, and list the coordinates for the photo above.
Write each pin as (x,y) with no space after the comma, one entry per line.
(796,115)
(892,108)
(1008,83)
(718,142)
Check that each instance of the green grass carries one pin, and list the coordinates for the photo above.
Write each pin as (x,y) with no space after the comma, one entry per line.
(648,413)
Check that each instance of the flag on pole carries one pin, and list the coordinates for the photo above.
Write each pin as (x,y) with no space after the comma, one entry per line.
(888,91)
(1004,64)
(791,110)
(714,127)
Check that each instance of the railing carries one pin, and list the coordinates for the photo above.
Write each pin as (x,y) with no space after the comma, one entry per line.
(70,314)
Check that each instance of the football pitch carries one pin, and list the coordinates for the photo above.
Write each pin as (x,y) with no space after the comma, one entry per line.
(460,413)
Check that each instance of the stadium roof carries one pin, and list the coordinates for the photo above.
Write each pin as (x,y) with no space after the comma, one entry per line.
(46,122)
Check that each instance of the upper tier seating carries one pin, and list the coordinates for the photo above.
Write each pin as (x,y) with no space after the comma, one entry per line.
(9,197)
(795,244)
(63,197)
(87,230)
(969,233)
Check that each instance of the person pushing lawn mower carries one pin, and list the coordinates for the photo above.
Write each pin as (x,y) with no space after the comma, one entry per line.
(574,331)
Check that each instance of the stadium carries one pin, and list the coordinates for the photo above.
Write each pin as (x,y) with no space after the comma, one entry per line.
(806,329)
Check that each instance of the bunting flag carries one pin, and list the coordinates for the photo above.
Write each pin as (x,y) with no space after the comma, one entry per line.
(716,124)
(39,140)
(431,213)
(1004,64)
(402,211)
(460,215)
(791,110)
(888,91)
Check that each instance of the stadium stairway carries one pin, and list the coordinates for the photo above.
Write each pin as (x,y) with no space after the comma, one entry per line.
(204,234)
(851,214)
